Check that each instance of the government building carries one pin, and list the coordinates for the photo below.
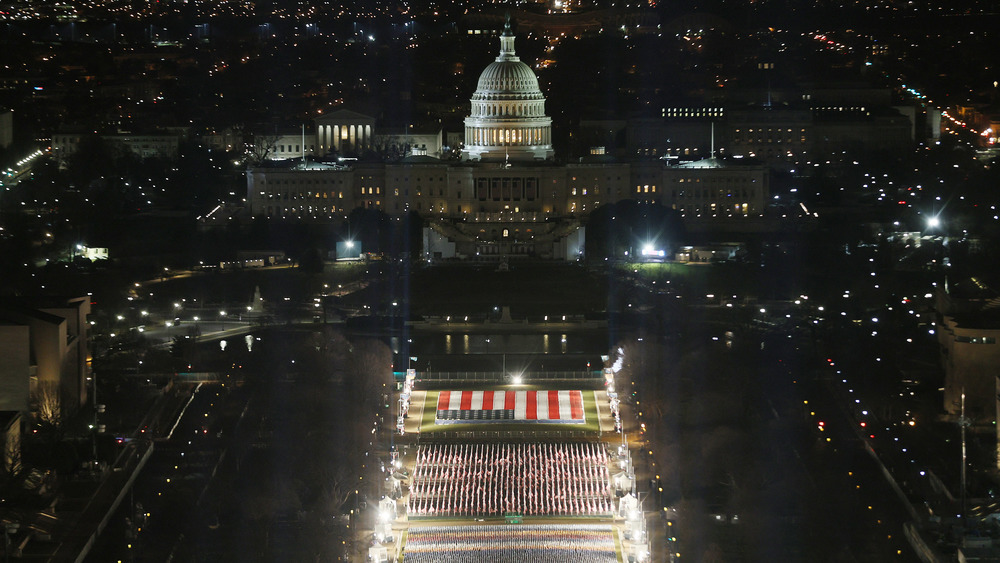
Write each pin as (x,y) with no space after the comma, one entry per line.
(505,194)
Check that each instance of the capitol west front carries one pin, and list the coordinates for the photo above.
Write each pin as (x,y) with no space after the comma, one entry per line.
(506,196)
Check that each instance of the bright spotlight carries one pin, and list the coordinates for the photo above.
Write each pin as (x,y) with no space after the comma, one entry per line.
(933,222)
(648,250)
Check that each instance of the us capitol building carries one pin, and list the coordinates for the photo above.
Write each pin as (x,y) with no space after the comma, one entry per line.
(506,196)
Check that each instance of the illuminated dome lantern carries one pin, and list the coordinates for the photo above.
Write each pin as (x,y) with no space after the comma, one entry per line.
(508,120)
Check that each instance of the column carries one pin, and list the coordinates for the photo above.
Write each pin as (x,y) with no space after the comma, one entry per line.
(336,138)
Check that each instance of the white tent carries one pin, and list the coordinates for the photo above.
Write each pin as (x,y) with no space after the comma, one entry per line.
(622,482)
(638,554)
(383,532)
(386,510)
(635,530)
(627,505)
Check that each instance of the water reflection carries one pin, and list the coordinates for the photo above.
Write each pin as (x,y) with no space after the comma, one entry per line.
(503,343)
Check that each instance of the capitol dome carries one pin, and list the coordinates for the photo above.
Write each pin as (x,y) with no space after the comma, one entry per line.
(508,78)
(508,118)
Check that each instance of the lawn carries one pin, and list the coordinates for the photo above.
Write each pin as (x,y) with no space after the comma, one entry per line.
(537,289)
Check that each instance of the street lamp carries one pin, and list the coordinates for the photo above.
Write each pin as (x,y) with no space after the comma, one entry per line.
(8,529)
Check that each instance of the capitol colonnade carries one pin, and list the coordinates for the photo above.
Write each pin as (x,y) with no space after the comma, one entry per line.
(506,137)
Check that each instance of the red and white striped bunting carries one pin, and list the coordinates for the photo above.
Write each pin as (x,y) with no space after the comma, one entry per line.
(527,405)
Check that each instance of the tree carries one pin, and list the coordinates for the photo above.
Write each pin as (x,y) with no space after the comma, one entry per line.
(311,261)
(387,148)
(371,364)
(337,482)
(12,462)
(94,158)
(48,405)
(257,146)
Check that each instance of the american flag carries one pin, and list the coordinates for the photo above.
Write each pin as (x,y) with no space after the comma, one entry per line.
(485,406)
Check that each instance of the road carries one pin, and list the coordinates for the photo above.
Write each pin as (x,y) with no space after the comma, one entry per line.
(166,495)
(162,336)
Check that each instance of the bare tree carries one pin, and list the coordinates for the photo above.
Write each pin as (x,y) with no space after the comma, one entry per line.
(12,459)
(388,147)
(371,364)
(339,481)
(48,404)
(257,145)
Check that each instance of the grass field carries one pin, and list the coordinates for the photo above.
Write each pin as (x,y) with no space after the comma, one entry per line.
(457,289)
(590,423)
